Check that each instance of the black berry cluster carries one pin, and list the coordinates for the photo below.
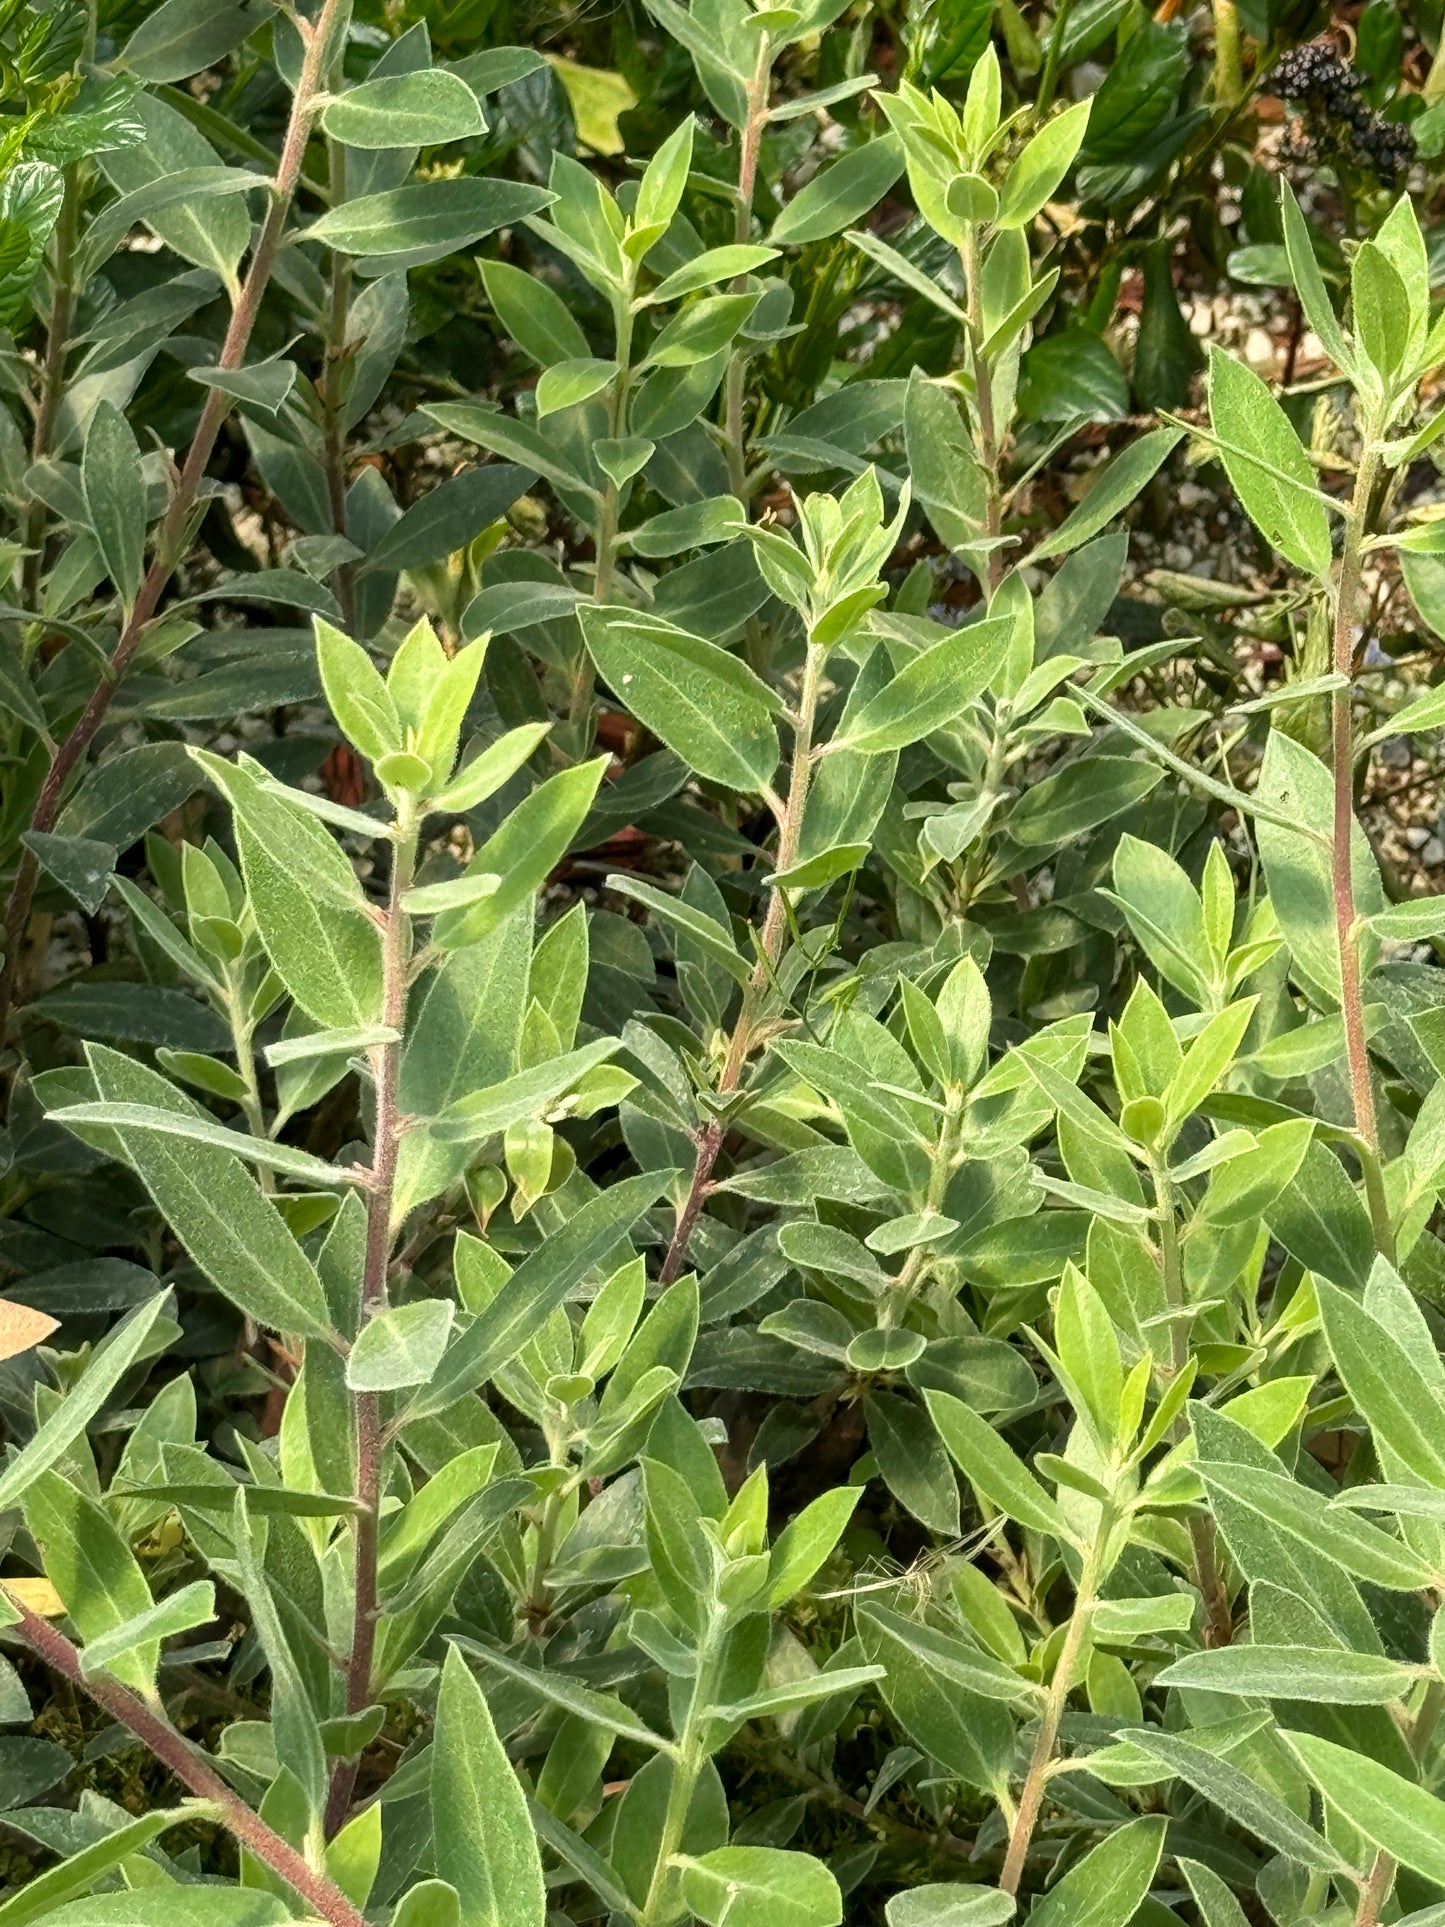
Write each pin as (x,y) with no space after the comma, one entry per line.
(1335,125)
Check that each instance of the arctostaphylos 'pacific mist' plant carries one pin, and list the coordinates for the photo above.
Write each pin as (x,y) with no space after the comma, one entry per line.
(724,1111)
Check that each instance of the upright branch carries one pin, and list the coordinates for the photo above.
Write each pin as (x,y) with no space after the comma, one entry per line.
(173,1750)
(172,533)
(1026,1817)
(386,1072)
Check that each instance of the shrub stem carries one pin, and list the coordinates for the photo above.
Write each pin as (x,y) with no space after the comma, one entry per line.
(386,1143)
(1031,1798)
(174,1751)
(172,531)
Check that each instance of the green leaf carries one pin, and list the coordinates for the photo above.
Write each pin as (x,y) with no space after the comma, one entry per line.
(1385,1385)
(189,1906)
(1297,866)
(424,109)
(79,864)
(1115,489)
(1308,281)
(706,932)
(212,234)
(807,1541)
(446,519)
(485,774)
(1399,1817)
(1109,1885)
(231,1229)
(1269,470)
(110,473)
(533,314)
(530,843)
(933,689)
(145,1121)
(707,706)
(840,193)
(1251,1805)
(95,1573)
(1035,176)
(588,1239)
(949,1658)
(67,1421)
(293,1717)
(1078,798)
(306,900)
(761,1887)
(1330,1677)
(529,1093)
(991,1465)
(567,383)
(402,1346)
(181,37)
(911,1460)
(516,441)
(1296,1511)
(178,1612)
(950,1904)
(703,329)
(80,1871)
(432,1903)
(1381,310)
(559,1689)
(427,217)
(484,1845)
(707,269)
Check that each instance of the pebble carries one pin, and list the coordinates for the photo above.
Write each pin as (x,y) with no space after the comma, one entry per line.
(1433,854)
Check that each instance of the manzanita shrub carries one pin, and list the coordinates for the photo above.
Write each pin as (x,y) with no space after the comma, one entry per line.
(722,1146)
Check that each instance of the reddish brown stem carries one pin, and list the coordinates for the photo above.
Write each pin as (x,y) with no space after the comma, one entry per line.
(172,530)
(193,1770)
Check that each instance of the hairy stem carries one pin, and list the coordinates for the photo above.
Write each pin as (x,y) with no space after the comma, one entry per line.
(1031,1798)
(919,1262)
(774,935)
(686,1769)
(191,1768)
(1376,1890)
(1342,752)
(172,532)
(386,1142)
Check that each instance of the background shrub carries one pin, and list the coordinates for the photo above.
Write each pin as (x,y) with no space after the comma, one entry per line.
(721,1009)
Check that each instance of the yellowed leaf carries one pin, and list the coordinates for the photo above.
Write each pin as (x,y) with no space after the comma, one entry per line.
(36,1596)
(598,96)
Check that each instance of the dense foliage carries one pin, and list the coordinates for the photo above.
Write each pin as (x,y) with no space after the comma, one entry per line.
(723,1137)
